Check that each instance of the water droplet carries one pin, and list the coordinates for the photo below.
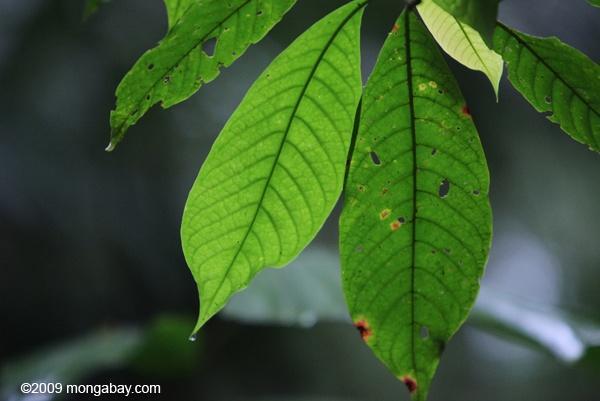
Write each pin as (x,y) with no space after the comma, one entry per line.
(193,337)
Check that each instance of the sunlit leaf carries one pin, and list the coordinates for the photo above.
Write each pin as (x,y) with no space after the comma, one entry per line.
(209,35)
(415,231)
(277,168)
(480,15)
(461,42)
(555,79)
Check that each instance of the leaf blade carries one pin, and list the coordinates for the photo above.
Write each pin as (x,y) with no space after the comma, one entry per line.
(175,69)
(420,230)
(554,78)
(480,15)
(461,42)
(285,171)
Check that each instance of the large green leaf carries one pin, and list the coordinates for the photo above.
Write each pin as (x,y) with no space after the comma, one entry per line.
(416,227)
(461,42)
(480,15)
(277,168)
(555,79)
(209,35)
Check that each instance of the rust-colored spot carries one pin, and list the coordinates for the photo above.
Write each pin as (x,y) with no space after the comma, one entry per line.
(411,384)
(363,328)
(385,213)
(396,224)
(395,28)
(466,112)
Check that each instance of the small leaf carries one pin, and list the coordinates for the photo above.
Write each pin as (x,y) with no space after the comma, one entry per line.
(416,227)
(277,168)
(461,42)
(555,79)
(175,69)
(480,15)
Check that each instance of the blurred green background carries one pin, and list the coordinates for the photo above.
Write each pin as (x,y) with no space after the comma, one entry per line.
(93,285)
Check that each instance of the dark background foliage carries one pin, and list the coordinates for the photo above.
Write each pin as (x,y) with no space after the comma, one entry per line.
(90,241)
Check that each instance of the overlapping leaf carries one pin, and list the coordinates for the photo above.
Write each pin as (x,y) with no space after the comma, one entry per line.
(555,79)
(480,15)
(277,169)
(416,227)
(204,37)
(461,42)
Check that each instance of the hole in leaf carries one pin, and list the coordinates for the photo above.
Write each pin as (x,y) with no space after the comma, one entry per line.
(444,188)
(548,99)
(476,192)
(375,158)
(209,47)
(424,332)
(363,329)
(433,151)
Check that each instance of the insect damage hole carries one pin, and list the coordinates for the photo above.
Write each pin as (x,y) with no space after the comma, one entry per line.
(209,47)
(444,188)
(375,158)
(363,329)
(424,332)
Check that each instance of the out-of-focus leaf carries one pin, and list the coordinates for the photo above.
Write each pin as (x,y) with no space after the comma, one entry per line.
(595,3)
(556,79)
(209,35)
(277,169)
(415,231)
(566,337)
(292,297)
(461,42)
(161,349)
(307,291)
(480,15)
(72,361)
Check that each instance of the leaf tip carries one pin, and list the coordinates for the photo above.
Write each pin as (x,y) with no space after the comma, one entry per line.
(111,146)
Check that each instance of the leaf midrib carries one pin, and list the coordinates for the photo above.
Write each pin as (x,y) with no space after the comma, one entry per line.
(553,71)
(283,140)
(409,76)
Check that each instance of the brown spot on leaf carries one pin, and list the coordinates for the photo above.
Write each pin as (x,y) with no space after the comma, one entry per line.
(395,28)
(411,384)
(465,111)
(363,328)
(396,224)
(385,213)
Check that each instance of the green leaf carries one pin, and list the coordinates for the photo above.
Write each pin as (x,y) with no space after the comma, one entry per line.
(209,35)
(277,168)
(176,9)
(595,3)
(555,79)
(480,15)
(416,226)
(461,42)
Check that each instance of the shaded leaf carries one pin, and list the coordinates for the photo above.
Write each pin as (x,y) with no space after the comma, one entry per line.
(595,3)
(411,281)
(209,35)
(480,15)
(461,42)
(277,168)
(565,336)
(308,292)
(555,79)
